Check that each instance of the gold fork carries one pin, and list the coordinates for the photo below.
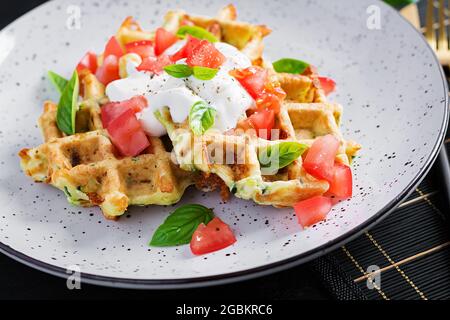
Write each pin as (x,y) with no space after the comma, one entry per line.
(440,46)
(439,43)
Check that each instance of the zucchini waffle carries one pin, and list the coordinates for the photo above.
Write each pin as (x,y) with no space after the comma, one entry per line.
(233,157)
(88,169)
(304,116)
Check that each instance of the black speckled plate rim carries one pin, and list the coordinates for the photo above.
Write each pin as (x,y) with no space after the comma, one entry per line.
(221,279)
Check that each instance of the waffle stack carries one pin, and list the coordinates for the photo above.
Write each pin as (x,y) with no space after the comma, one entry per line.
(88,169)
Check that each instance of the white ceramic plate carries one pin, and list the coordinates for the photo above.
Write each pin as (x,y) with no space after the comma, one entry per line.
(390,84)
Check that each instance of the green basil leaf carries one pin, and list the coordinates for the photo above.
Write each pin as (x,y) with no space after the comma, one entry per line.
(201,117)
(68,106)
(281,155)
(196,32)
(288,65)
(59,82)
(179,70)
(180,225)
(204,73)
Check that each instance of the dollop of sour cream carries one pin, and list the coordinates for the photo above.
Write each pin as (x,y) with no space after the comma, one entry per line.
(223,93)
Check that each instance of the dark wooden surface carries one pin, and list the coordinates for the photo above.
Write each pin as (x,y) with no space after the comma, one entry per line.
(21,282)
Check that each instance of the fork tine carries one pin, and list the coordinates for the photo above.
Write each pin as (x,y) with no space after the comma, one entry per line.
(430,33)
(442,34)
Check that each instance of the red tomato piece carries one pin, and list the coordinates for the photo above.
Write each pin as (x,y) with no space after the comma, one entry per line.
(186,50)
(112,110)
(163,40)
(328,85)
(269,101)
(206,55)
(137,103)
(143,48)
(253,79)
(334,200)
(263,122)
(155,64)
(109,70)
(89,62)
(215,236)
(127,135)
(319,161)
(276,90)
(312,210)
(271,97)
(342,184)
(256,81)
(113,48)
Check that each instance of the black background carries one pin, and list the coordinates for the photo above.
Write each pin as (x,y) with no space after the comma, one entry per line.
(21,282)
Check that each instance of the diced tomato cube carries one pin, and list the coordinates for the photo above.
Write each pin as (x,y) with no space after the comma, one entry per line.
(263,122)
(269,101)
(215,236)
(137,103)
(89,62)
(163,40)
(143,48)
(256,81)
(276,90)
(186,50)
(109,70)
(205,54)
(113,48)
(312,210)
(342,184)
(127,135)
(328,85)
(319,161)
(112,110)
(155,64)
(253,79)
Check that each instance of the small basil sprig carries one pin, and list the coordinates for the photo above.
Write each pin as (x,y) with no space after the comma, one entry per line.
(68,106)
(288,65)
(280,155)
(180,225)
(201,117)
(204,73)
(179,70)
(58,81)
(196,32)
(185,71)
